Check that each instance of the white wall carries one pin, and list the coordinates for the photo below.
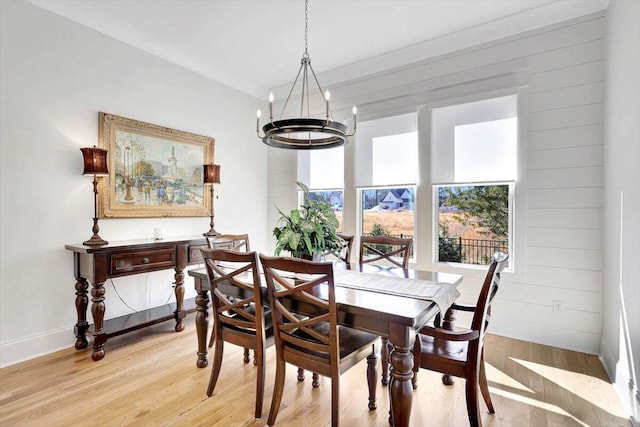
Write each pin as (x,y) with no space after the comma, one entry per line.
(621,330)
(56,76)
(559,71)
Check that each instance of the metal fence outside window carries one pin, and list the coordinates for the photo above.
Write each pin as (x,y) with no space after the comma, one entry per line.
(457,249)
(469,251)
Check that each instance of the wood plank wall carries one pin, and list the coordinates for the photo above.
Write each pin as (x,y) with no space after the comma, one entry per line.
(562,68)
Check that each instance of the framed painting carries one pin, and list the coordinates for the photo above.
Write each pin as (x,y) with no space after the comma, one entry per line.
(154,171)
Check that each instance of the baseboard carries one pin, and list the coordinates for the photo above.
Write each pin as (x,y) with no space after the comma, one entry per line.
(626,390)
(27,348)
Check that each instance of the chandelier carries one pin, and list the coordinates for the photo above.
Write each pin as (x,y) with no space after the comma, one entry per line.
(304,132)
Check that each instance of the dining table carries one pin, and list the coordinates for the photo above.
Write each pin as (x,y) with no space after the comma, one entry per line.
(387,301)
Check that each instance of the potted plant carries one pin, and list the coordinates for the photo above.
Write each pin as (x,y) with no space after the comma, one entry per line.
(307,232)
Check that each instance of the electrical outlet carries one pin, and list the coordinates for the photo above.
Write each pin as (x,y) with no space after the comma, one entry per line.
(557,305)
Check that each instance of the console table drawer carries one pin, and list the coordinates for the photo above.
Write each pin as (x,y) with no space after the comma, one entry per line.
(139,262)
(195,256)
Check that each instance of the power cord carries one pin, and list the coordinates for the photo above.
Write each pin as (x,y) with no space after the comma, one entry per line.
(113,285)
(120,298)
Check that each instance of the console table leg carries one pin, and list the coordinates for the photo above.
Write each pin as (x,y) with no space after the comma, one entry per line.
(97,311)
(179,313)
(202,326)
(82,302)
(449,323)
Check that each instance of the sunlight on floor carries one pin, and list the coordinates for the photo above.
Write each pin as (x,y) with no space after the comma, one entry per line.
(586,387)
(533,402)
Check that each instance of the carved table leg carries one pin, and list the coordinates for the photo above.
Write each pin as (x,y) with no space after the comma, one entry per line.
(449,323)
(400,389)
(202,326)
(179,313)
(97,311)
(82,302)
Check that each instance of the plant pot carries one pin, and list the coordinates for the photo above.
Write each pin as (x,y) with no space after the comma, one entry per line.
(317,257)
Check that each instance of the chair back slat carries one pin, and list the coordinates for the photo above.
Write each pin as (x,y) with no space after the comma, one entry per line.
(379,247)
(234,242)
(344,252)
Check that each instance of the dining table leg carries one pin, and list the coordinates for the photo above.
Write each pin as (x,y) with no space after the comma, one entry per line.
(400,388)
(202,323)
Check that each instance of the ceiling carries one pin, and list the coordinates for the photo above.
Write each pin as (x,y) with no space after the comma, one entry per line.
(256,45)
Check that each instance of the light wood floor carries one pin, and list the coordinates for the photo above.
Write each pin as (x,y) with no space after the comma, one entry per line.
(150,378)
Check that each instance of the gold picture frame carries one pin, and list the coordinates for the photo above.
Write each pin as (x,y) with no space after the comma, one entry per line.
(154,171)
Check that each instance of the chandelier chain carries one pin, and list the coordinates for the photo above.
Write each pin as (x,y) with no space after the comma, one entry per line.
(306,27)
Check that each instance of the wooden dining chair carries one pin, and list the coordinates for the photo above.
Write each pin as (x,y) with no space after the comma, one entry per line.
(461,352)
(374,249)
(314,341)
(385,248)
(342,254)
(236,242)
(241,320)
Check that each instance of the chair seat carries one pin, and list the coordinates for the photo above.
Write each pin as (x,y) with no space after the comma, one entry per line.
(351,341)
(453,350)
(447,357)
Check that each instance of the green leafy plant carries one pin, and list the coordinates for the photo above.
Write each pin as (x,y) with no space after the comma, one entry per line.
(308,231)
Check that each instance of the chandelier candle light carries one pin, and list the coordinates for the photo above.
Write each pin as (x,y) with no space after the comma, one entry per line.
(95,163)
(211,177)
(304,133)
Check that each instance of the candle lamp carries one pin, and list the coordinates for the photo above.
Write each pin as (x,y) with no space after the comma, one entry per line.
(95,163)
(211,177)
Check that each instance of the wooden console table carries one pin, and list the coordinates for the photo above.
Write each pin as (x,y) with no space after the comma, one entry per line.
(95,264)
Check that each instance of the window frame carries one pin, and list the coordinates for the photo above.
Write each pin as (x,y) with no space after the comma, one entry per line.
(436,222)
(425,247)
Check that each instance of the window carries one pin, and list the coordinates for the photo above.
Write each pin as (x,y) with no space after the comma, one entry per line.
(386,174)
(388,212)
(474,159)
(323,172)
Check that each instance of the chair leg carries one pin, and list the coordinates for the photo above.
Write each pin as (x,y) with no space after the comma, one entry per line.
(213,335)
(472,400)
(245,356)
(217,363)
(372,360)
(300,374)
(315,380)
(278,389)
(384,358)
(259,359)
(335,400)
(484,388)
(417,350)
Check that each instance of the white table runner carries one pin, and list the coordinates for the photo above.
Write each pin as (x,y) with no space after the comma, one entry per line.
(443,294)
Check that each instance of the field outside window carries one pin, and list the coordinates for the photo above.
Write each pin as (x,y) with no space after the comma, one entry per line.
(473,222)
(388,212)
